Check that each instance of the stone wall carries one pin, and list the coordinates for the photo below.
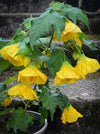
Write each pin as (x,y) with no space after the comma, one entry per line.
(33,6)
(12,13)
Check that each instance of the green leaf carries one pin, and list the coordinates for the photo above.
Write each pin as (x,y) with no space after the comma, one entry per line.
(50,102)
(54,64)
(57,6)
(92,45)
(75,13)
(24,49)
(42,40)
(64,101)
(44,114)
(10,79)
(18,36)
(43,24)
(28,24)
(4,64)
(19,121)
(4,43)
(3,87)
(39,56)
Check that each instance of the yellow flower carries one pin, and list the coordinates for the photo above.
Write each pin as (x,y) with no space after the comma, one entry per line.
(87,65)
(26,60)
(70,32)
(7,101)
(32,75)
(70,115)
(23,91)
(67,75)
(9,52)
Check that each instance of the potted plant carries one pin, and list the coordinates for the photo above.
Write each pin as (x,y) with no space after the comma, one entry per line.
(34,52)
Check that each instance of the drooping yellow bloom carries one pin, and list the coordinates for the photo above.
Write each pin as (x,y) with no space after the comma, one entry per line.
(70,32)
(87,65)
(9,53)
(67,75)
(26,60)
(23,91)
(32,75)
(6,101)
(70,115)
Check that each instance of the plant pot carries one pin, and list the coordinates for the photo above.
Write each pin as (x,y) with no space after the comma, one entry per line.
(36,116)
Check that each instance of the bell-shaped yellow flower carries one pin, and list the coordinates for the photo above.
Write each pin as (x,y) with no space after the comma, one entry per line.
(9,53)
(26,60)
(23,91)
(67,75)
(87,65)
(6,101)
(32,75)
(70,115)
(70,32)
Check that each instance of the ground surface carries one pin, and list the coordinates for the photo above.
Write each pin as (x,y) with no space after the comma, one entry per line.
(84,95)
(88,88)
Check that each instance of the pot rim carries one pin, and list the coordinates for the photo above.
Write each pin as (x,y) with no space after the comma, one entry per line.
(45,123)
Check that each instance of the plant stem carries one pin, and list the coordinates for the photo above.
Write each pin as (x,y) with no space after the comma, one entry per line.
(26,105)
(49,44)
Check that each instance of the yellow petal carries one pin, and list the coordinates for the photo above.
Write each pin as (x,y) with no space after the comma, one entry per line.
(67,75)
(7,101)
(71,32)
(9,52)
(87,65)
(32,75)
(26,60)
(23,91)
(70,115)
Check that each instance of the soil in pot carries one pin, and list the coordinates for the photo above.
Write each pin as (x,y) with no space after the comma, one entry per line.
(36,126)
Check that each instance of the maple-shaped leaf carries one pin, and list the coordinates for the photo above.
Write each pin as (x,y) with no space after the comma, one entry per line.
(50,102)
(19,121)
(24,48)
(75,13)
(54,64)
(72,13)
(43,24)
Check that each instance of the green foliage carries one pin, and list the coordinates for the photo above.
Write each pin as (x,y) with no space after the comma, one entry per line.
(19,121)
(73,13)
(3,92)
(92,45)
(3,87)
(5,64)
(54,64)
(18,36)
(43,24)
(24,49)
(38,55)
(10,79)
(28,24)
(4,43)
(44,114)
(51,101)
